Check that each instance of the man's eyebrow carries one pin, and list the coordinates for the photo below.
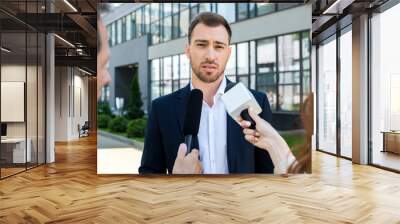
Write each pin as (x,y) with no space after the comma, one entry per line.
(206,41)
(219,42)
(203,41)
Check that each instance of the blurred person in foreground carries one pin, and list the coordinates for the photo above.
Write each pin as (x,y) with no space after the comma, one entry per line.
(103,51)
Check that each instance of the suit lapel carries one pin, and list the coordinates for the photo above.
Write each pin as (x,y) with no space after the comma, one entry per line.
(231,143)
(230,140)
(180,107)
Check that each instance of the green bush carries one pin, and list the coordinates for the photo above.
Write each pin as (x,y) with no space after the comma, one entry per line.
(135,102)
(137,127)
(104,108)
(103,120)
(118,124)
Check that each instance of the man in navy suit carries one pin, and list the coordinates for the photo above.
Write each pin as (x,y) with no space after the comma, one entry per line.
(222,146)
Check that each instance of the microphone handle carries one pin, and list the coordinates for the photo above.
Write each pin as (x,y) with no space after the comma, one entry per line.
(246,116)
(188,142)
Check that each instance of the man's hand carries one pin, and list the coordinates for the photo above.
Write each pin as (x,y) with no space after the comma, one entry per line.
(187,164)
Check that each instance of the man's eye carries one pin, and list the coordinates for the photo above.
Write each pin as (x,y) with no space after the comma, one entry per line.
(201,45)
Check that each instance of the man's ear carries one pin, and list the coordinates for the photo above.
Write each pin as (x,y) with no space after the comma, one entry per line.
(187,50)
(229,51)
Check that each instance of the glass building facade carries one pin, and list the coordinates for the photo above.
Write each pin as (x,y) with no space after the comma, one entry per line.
(168,21)
(277,64)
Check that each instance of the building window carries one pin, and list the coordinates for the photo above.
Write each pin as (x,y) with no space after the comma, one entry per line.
(109,35)
(169,21)
(133,25)
(289,52)
(242,11)
(155,78)
(175,8)
(194,10)
(289,72)
(227,10)
(175,26)
(167,28)
(243,62)
(265,8)
(230,69)
(204,7)
(167,76)
(253,64)
(139,23)
(146,16)
(166,9)
(123,33)
(252,10)
(266,69)
(289,91)
(155,32)
(184,23)
(119,31)
(128,27)
(175,73)
(183,6)
(113,34)
(155,12)
(184,70)
(108,90)
(306,62)
(282,6)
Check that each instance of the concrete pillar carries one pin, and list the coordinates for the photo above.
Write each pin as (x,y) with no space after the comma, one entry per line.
(50,99)
(360,90)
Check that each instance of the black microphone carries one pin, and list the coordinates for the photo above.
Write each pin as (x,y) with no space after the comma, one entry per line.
(192,117)
(245,113)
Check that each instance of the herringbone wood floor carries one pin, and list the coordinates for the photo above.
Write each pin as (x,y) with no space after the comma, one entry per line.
(69,191)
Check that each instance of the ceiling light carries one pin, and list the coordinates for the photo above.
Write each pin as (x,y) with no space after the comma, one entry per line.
(333,6)
(5,50)
(71,6)
(65,41)
(86,72)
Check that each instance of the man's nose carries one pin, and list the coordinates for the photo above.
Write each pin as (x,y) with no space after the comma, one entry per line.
(211,54)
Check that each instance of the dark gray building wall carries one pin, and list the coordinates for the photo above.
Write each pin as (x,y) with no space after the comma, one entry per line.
(130,53)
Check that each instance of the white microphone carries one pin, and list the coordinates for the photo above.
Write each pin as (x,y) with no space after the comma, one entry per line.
(237,99)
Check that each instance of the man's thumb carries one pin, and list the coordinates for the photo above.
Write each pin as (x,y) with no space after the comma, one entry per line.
(182,151)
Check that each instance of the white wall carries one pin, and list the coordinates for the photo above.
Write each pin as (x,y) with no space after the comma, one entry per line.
(71,94)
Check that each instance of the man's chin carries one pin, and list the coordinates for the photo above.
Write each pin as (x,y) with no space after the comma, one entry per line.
(209,78)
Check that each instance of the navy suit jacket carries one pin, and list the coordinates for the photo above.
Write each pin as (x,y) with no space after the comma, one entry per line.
(164,134)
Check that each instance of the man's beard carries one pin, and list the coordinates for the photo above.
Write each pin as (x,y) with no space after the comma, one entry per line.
(203,77)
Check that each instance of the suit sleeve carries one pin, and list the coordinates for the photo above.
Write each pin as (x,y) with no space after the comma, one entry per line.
(263,162)
(153,160)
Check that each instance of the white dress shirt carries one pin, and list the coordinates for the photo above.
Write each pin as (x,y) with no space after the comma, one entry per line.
(212,134)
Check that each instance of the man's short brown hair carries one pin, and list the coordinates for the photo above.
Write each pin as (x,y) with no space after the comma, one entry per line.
(209,19)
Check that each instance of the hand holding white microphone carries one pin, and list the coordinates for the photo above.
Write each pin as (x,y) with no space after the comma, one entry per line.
(266,137)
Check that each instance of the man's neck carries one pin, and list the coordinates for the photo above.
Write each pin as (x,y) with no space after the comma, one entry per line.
(209,89)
